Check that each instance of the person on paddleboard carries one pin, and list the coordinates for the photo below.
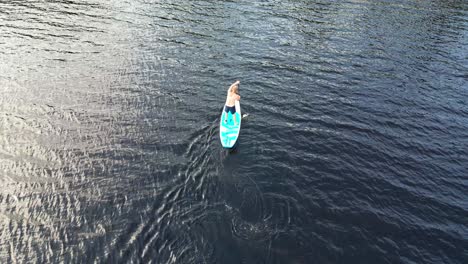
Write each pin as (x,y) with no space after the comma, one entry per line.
(232,97)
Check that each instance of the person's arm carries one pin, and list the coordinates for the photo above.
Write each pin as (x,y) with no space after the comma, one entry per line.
(233,85)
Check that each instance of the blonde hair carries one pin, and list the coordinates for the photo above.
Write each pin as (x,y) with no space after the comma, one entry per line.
(235,89)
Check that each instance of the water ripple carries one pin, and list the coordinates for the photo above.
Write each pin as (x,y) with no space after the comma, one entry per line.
(354,148)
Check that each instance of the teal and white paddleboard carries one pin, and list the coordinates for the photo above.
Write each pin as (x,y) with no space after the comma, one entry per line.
(228,131)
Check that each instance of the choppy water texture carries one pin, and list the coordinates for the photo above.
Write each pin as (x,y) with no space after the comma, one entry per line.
(355,150)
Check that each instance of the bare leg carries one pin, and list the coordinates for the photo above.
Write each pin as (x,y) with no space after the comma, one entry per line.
(234,117)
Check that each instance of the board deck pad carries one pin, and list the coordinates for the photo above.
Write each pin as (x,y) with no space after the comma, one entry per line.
(228,131)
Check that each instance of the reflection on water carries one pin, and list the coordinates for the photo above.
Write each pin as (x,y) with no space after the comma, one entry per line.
(354,149)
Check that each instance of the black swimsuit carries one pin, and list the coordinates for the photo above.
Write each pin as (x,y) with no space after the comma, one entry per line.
(231,109)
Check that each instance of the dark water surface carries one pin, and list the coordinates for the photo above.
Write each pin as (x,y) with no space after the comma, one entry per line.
(355,150)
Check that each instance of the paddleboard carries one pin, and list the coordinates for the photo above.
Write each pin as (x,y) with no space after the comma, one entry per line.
(228,131)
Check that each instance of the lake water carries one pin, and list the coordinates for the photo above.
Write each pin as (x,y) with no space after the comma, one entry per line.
(355,149)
